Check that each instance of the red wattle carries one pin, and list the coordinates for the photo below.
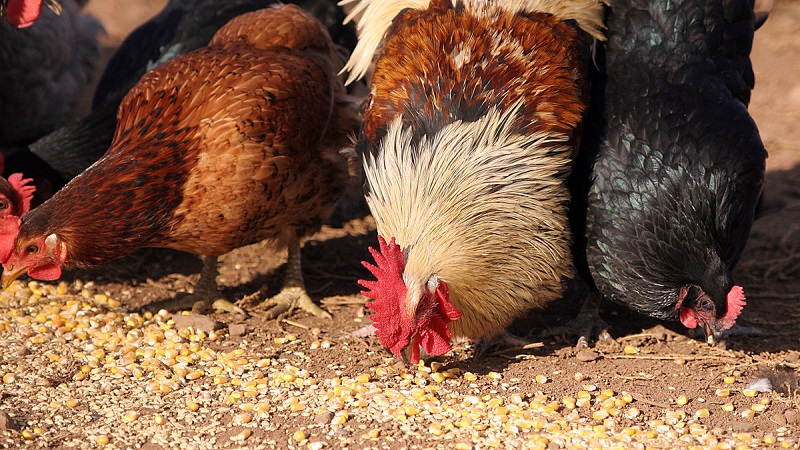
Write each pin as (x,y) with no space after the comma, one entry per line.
(23,13)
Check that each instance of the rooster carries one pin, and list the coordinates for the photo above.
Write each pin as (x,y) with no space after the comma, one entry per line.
(473,117)
(678,161)
(180,27)
(222,147)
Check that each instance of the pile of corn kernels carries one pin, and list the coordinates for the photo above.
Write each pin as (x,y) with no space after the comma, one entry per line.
(79,371)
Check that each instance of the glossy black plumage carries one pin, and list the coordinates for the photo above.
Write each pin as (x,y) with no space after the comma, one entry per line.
(678,161)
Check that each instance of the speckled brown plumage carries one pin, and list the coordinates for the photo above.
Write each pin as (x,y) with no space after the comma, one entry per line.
(487,71)
(222,147)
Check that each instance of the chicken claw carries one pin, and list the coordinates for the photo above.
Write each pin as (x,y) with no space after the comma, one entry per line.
(289,299)
(206,294)
(293,295)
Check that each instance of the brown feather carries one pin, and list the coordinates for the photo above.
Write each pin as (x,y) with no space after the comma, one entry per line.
(219,148)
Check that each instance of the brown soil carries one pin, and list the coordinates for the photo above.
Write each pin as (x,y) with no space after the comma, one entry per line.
(666,361)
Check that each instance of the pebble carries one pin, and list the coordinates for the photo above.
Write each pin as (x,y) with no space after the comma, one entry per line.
(323,417)
(587,355)
(6,422)
(237,329)
(198,322)
(738,425)
(792,416)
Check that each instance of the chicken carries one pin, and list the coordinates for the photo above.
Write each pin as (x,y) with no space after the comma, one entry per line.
(678,161)
(16,194)
(473,117)
(45,69)
(182,26)
(219,148)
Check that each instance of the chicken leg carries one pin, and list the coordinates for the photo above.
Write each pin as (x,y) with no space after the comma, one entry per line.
(206,293)
(585,323)
(293,295)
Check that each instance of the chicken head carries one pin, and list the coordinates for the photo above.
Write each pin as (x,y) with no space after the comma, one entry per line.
(407,319)
(697,308)
(41,257)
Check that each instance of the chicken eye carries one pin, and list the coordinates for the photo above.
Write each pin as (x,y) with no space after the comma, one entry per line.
(31,249)
(706,306)
(3,204)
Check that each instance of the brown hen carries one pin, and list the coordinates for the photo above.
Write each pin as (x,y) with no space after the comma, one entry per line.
(222,147)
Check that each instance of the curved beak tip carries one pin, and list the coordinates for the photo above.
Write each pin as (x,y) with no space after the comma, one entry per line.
(9,275)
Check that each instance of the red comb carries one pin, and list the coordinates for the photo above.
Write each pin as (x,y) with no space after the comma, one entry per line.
(24,189)
(736,303)
(22,13)
(9,228)
(389,293)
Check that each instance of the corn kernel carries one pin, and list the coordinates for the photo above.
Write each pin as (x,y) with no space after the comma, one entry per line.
(242,435)
(758,407)
(9,378)
(27,435)
(130,416)
(469,376)
(729,380)
(494,375)
(769,439)
(702,413)
(192,405)
(541,379)
(159,419)
(630,350)
(723,393)
(728,407)
(749,392)
(299,435)
(579,377)
(71,403)
(682,400)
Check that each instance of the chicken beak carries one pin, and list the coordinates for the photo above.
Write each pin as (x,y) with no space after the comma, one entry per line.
(407,354)
(713,336)
(10,274)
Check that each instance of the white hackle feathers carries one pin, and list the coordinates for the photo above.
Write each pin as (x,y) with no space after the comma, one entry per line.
(485,207)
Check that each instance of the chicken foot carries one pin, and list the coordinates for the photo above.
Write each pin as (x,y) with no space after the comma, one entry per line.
(206,293)
(293,295)
(499,342)
(586,322)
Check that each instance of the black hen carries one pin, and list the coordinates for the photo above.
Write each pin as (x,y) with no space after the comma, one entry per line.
(678,161)
(182,26)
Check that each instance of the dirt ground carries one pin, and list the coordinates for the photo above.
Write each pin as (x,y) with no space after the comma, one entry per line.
(655,363)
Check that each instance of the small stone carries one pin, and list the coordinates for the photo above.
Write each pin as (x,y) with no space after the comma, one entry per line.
(780,419)
(324,417)
(197,322)
(237,329)
(587,355)
(792,416)
(793,357)
(6,422)
(740,426)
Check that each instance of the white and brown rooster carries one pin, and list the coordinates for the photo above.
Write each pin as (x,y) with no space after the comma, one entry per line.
(473,118)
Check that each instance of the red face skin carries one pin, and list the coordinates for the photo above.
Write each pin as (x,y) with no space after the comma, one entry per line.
(23,13)
(703,312)
(40,257)
(402,333)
